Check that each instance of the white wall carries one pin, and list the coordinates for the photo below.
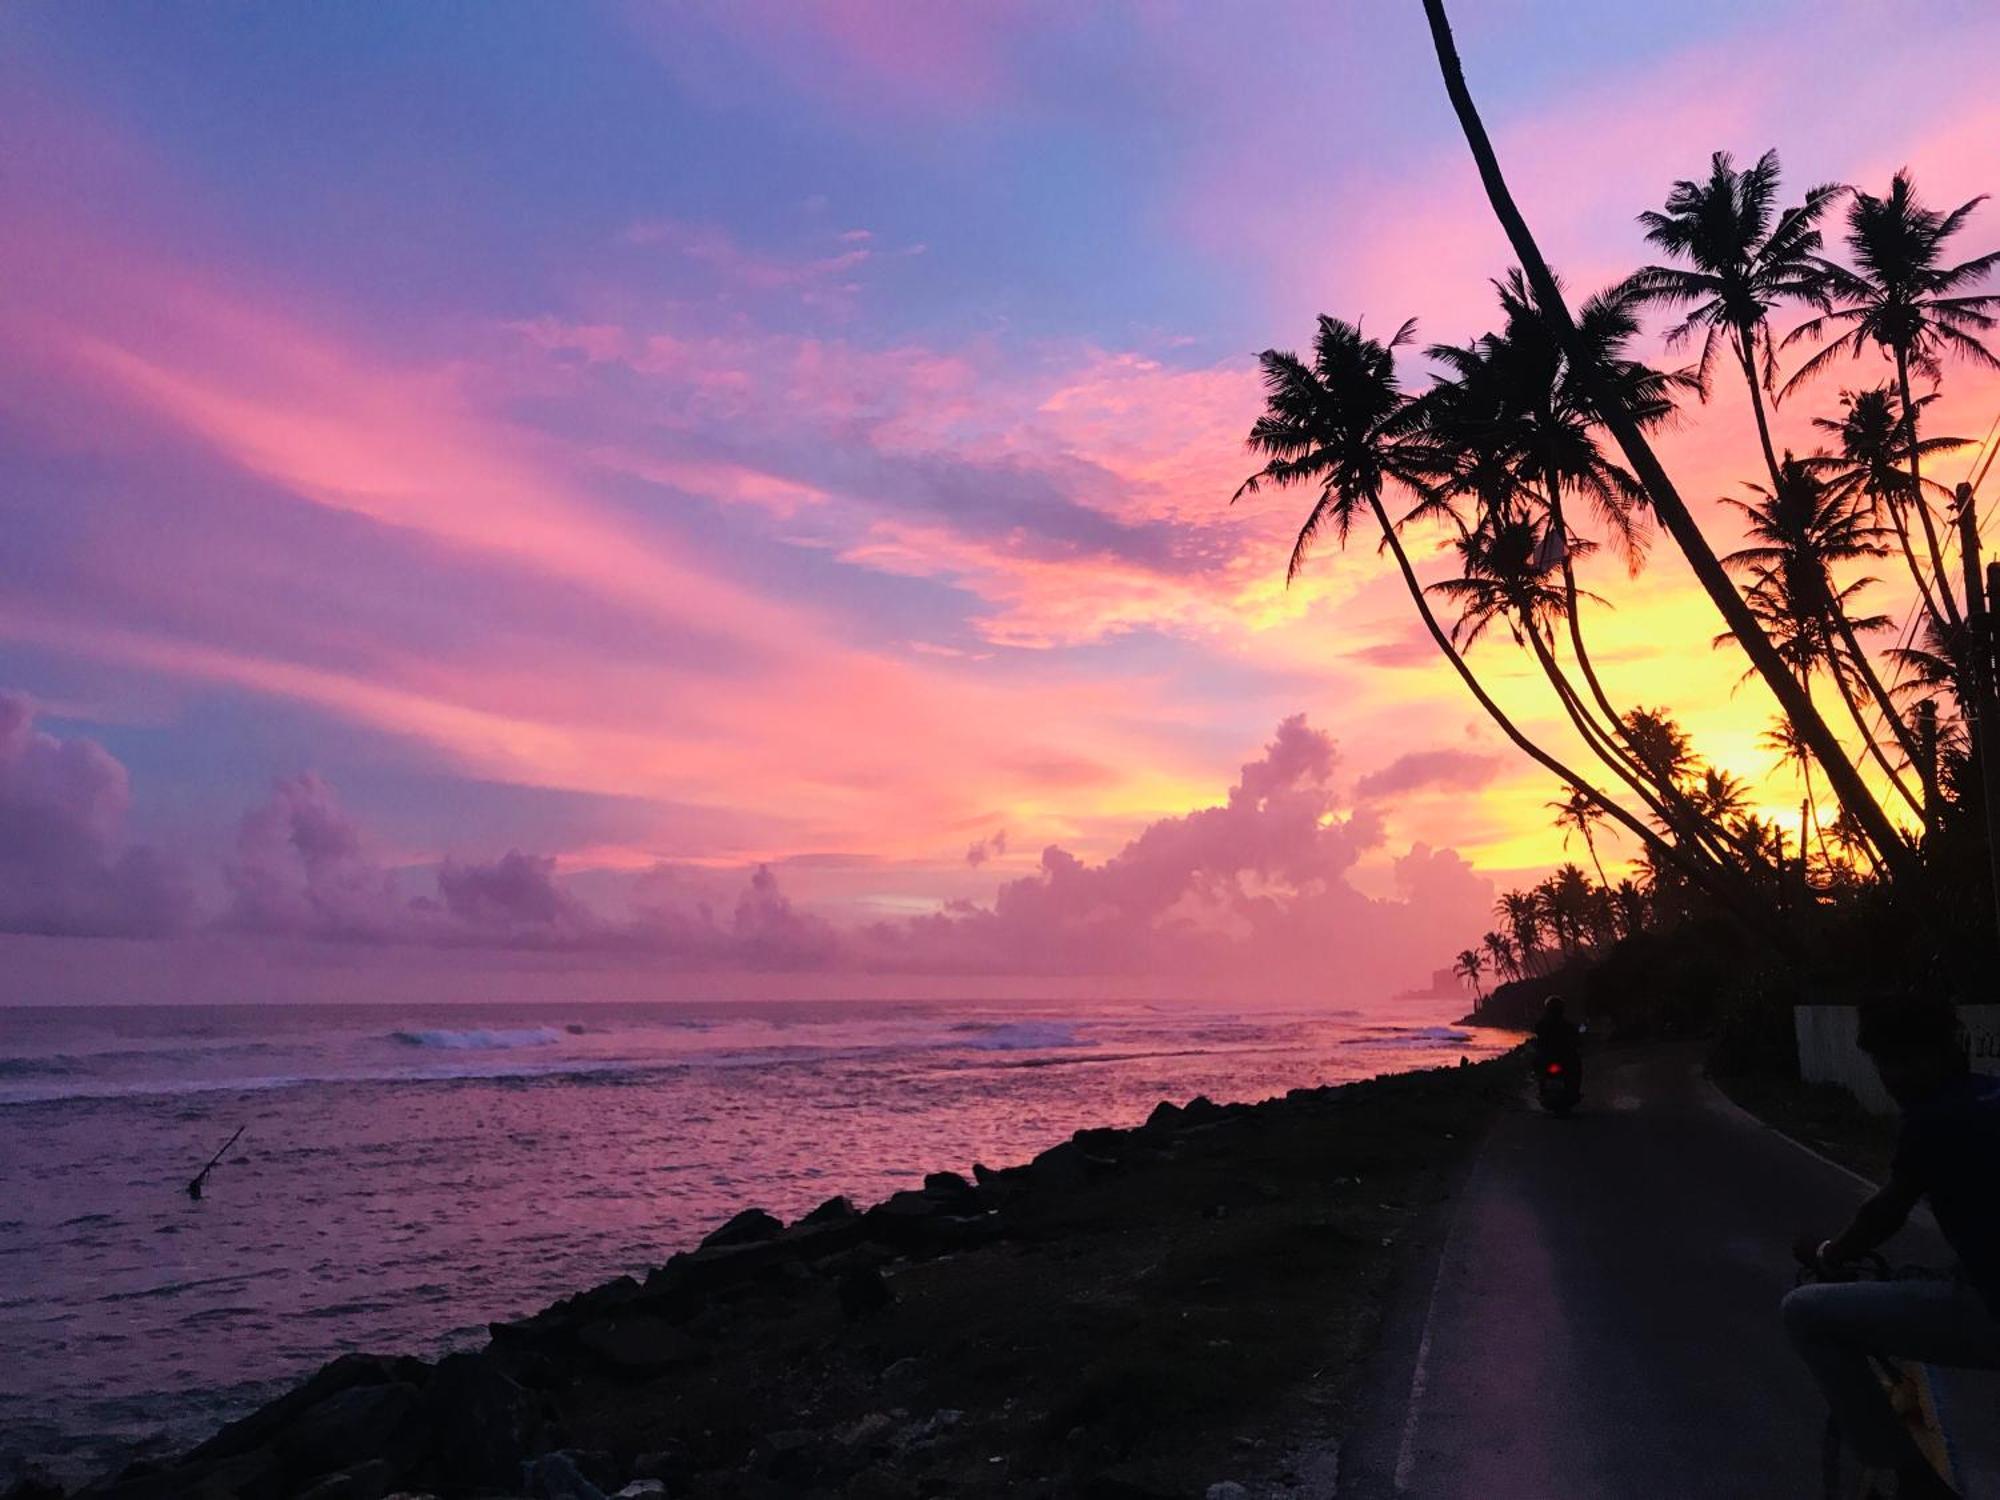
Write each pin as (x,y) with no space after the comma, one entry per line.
(1827,1053)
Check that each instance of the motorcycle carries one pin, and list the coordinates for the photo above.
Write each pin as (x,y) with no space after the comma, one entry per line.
(1558,1084)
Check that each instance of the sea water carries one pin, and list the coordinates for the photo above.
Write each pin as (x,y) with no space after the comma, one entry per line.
(406,1175)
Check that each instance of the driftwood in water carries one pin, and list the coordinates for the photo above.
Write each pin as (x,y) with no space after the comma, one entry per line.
(194,1184)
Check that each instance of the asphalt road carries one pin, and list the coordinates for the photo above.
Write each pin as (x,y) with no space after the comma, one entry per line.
(1597,1313)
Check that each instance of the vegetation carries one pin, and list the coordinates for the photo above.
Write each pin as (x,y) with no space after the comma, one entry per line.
(1527,440)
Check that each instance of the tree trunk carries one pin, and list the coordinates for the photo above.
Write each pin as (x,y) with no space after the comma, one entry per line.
(1905,870)
(1746,353)
(1499,715)
(1866,671)
(1941,578)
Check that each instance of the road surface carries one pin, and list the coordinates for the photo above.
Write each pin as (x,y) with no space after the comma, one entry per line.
(1596,1313)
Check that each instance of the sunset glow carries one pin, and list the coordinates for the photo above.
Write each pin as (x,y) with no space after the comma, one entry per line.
(735,487)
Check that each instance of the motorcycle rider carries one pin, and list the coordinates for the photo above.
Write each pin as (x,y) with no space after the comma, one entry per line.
(1947,1152)
(1557,1040)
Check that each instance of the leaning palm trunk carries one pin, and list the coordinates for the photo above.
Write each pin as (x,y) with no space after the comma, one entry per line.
(1746,353)
(1873,746)
(1750,914)
(1905,870)
(1865,670)
(1703,846)
(1939,576)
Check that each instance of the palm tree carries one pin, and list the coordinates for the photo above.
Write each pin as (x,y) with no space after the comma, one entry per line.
(1902,298)
(1344,426)
(1580,815)
(1469,967)
(1514,406)
(1500,949)
(1743,258)
(1872,467)
(1798,532)
(1793,751)
(1668,506)
(1523,915)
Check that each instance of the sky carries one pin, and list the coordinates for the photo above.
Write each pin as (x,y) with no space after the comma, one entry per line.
(682,491)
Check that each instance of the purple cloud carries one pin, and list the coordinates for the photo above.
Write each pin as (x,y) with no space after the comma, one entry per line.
(1426,770)
(62,809)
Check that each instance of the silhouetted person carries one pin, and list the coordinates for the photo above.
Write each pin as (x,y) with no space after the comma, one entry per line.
(1558,1040)
(1949,1152)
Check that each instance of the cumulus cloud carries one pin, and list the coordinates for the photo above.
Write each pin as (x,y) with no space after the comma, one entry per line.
(1258,887)
(1429,770)
(301,869)
(689,916)
(62,812)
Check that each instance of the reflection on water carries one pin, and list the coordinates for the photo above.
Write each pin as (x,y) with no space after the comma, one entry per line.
(406,1176)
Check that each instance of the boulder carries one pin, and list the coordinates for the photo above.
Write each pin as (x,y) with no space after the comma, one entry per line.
(368,1481)
(747,1228)
(558,1476)
(361,1422)
(344,1373)
(862,1291)
(952,1191)
(1166,1116)
(836,1210)
(482,1424)
(1201,1110)
(640,1345)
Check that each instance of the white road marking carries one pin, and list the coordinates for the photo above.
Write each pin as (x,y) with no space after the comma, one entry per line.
(1406,1452)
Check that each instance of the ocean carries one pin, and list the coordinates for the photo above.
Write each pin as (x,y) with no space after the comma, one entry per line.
(406,1175)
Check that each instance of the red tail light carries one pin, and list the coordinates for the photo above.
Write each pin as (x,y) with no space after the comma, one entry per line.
(1555,1070)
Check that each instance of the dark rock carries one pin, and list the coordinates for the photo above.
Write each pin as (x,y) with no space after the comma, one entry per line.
(670,1465)
(1102,1141)
(1059,1167)
(361,1422)
(348,1371)
(952,1190)
(747,1228)
(483,1426)
(33,1484)
(1165,1116)
(862,1291)
(792,1457)
(643,1489)
(1201,1110)
(558,1476)
(836,1210)
(902,1377)
(640,1345)
(368,1481)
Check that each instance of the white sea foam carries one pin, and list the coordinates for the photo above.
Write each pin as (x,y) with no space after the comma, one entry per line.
(1023,1036)
(479,1039)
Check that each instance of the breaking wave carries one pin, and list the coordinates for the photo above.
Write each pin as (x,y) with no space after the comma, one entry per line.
(479,1040)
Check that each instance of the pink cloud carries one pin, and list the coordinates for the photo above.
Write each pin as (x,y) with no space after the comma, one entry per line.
(62,813)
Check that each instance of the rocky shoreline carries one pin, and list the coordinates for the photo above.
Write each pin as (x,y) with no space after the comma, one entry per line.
(1162,1311)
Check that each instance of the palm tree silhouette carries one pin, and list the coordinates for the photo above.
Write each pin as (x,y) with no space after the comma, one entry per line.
(1513,405)
(1872,466)
(1744,258)
(1668,506)
(1343,425)
(1799,530)
(1469,967)
(1580,815)
(1523,915)
(1902,298)
(1500,949)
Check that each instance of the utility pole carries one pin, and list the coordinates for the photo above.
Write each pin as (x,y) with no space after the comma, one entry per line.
(1980,659)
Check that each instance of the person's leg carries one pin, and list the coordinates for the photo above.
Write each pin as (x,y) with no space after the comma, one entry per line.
(1835,1328)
